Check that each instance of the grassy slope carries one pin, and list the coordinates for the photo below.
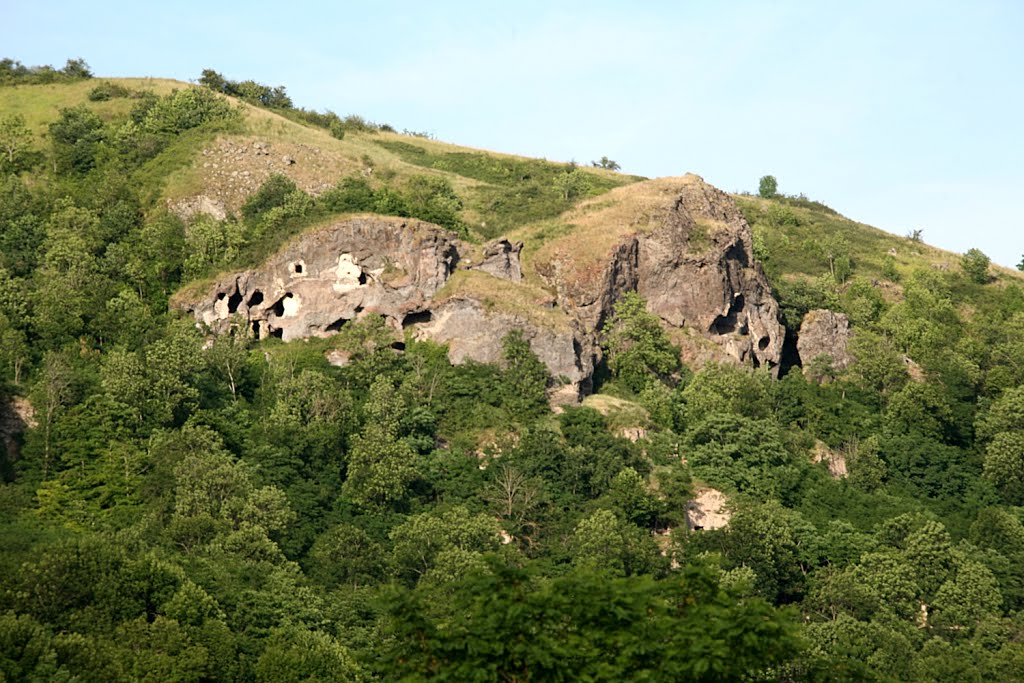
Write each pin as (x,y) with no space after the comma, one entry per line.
(791,256)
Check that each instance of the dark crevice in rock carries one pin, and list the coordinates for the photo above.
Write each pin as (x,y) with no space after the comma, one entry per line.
(234,301)
(790,357)
(336,325)
(256,329)
(730,322)
(278,332)
(398,346)
(417,318)
(256,299)
(362,278)
(278,307)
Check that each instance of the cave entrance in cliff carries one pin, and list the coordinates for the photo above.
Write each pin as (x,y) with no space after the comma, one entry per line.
(256,330)
(256,299)
(729,323)
(417,318)
(234,301)
(336,325)
(278,307)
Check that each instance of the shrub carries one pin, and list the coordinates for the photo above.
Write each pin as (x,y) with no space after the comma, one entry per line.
(108,91)
(185,109)
(975,266)
(273,193)
(768,187)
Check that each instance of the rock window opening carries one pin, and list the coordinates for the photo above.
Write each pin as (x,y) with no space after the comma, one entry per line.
(256,299)
(234,300)
(298,269)
(278,308)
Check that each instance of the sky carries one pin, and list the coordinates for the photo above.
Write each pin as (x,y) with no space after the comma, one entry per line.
(897,113)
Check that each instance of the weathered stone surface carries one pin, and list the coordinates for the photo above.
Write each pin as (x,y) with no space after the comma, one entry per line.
(312,287)
(708,510)
(834,460)
(16,415)
(824,333)
(699,271)
(501,259)
(687,250)
(474,333)
(690,256)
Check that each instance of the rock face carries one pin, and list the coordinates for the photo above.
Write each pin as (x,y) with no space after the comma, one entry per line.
(474,333)
(824,332)
(16,415)
(708,511)
(314,286)
(501,259)
(687,251)
(693,263)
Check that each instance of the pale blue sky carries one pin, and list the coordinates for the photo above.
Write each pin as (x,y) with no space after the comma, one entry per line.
(899,114)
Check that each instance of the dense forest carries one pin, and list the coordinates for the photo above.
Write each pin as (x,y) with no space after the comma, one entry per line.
(187,507)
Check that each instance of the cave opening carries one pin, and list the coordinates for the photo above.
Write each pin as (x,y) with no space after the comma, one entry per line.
(278,307)
(417,318)
(336,325)
(256,299)
(234,301)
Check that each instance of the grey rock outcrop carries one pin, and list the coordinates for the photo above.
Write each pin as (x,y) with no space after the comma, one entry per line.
(501,259)
(695,267)
(474,333)
(16,415)
(824,333)
(685,248)
(313,286)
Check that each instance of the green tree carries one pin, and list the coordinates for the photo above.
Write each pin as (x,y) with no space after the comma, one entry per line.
(423,541)
(524,390)
(639,350)
(604,542)
(571,184)
(975,265)
(76,136)
(768,187)
(508,625)
(15,141)
(605,162)
(381,464)
(296,655)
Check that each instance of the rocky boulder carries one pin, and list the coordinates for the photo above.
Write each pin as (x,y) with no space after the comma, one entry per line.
(501,259)
(824,333)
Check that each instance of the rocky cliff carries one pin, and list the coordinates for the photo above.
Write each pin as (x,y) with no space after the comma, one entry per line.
(679,242)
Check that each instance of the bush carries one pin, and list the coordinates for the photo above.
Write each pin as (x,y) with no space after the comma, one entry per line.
(273,193)
(768,187)
(108,91)
(975,266)
(185,109)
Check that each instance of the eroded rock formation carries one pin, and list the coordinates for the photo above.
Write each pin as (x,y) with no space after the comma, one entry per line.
(824,333)
(685,248)
(316,284)
(16,415)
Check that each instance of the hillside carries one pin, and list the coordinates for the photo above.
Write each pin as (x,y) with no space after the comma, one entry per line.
(286,395)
